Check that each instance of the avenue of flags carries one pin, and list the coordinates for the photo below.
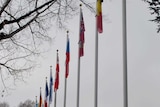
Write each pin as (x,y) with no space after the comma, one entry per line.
(53,85)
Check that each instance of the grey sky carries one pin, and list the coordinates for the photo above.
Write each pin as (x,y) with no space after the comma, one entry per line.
(143,61)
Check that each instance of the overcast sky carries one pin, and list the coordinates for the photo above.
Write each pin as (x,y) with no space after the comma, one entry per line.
(143,61)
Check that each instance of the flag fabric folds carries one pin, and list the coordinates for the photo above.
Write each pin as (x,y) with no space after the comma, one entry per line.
(40,100)
(67,56)
(56,84)
(81,35)
(99,16)
(51,87)
(46,95)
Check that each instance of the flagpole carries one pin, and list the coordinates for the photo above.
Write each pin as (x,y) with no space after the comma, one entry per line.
(55,98)
(56,80)
(65,88)
(96,67)
(124,32)
(96,62)
(40,99)
(78,81)
(65,82)
(50,86)
(78,74)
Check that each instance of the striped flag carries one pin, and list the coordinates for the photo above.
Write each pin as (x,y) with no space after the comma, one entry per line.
(56,84)
(99,16)
(46,95)
(81,35)
(67,56)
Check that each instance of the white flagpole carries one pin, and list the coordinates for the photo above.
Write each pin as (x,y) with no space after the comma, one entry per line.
(96,63)
(78,74)
(55,98)
(78,81)
(96,67)
(124,32)
(65,82)
(65,89)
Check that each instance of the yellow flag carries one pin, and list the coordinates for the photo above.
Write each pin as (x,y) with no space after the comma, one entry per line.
(99,16)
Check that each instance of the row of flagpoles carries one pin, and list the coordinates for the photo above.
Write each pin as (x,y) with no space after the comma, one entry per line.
(99,29)
(49,90)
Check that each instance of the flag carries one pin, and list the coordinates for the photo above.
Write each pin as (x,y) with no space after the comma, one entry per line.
(99,16)
(46,95)
(56,81)
(36,102)
(51,86)
(67,56)
(40,100)
(81,35)
(57,65)
(56,84)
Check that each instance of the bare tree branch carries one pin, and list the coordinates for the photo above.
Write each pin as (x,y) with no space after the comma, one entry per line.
(24,28)
(4,6)
(154,7)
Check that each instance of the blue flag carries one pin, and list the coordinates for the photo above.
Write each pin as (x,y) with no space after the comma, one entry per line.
(51,87)
(46,95)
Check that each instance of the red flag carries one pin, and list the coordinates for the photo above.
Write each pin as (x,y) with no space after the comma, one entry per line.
(99,16)
(57,65)
(67,56)
(56,84)
(40,100)
(81,36)
(56,81)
